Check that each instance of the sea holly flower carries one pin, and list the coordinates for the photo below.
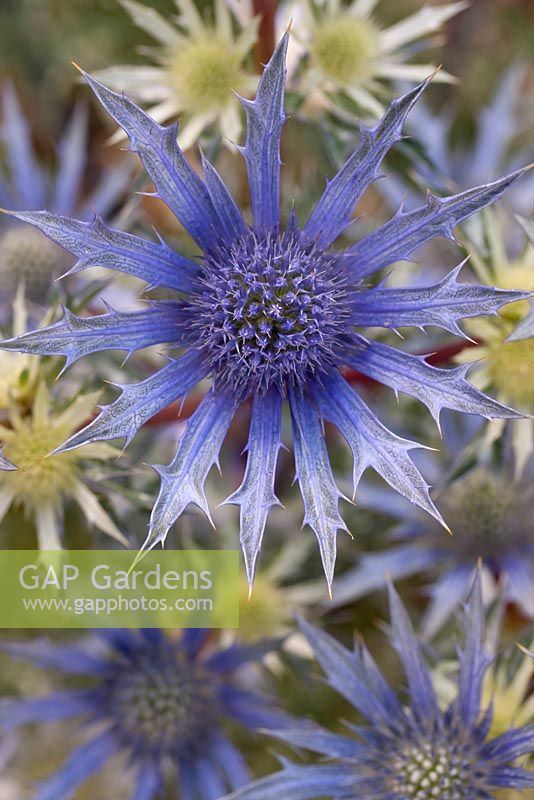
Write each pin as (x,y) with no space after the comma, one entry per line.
(347,59)
(26,256)
(42,484)
(271,314)
(406,750)
(491,518)
(199,65)
(161,701)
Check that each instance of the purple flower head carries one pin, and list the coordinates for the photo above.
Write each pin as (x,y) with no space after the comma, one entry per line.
(159,700)
(271,314)
(25,254)
(412,750)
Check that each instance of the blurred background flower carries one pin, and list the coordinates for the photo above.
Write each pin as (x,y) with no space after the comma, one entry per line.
(490,515)
(199,66)
(27,257)
(343,60)
(163,700)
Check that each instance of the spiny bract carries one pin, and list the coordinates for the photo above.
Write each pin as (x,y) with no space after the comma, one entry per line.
(490,514)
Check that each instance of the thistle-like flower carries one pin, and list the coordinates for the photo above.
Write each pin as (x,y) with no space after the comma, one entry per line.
(161,701)
(491,518)
(43,483)
(416,751)
(199,67)
(26,256)
(271,315)
(30,427)
(346,58)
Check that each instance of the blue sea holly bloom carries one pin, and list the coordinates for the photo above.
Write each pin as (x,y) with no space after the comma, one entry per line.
(271,314)
(409,750)
(25,254)
(162,701)
(491,517)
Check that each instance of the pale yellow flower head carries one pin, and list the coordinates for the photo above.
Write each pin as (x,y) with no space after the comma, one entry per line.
(509,696)
(340,52)
(44,481)
(344,47)
(264,612)
(200,64)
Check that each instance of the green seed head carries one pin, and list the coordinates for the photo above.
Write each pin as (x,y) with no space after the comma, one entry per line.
(343,49)
(266,609)
(519,275)
(40,477)
(487,514)
(205,73)
(28,257)
(510,366)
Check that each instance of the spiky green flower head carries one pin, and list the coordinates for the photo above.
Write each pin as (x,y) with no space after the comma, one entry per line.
(490,515)
(344,47)
(507,350)
(43,482)
(342,55)
(30,258)
(263,612)
(278,593)
(200,65)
